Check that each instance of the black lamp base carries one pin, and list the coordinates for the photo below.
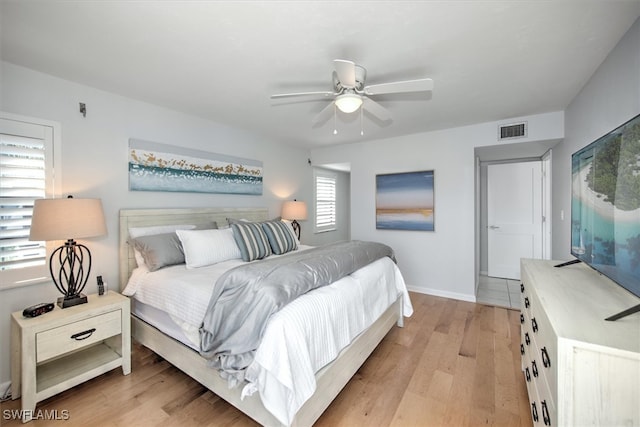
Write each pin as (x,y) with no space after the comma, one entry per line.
(70,301)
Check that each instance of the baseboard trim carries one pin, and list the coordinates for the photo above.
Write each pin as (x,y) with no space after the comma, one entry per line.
(444,294)
(5,391)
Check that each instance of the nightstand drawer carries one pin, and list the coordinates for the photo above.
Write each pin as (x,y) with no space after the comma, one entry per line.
(73,336)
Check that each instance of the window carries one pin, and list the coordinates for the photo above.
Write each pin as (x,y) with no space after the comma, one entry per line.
(26,174)
(325,198)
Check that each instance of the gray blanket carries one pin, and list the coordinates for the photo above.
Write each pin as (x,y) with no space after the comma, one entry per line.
(244,297)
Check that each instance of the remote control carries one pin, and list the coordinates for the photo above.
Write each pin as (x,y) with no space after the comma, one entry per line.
(100,286)
(38,309)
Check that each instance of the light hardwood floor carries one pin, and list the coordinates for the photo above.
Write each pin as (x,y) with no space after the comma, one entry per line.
(453,364)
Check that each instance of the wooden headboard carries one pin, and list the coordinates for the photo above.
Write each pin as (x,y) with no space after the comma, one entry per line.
(197,216)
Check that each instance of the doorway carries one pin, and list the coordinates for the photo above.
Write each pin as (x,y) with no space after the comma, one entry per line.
(514,216)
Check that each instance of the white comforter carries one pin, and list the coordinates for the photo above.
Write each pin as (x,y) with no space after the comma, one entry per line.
(299,340)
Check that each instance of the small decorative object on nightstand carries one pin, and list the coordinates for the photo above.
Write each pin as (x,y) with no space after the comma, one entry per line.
(63,348)
(294,210)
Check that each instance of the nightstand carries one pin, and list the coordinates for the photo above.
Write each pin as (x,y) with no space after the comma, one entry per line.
(65,347)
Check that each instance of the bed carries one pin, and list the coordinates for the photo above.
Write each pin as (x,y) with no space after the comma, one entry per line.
(153,327)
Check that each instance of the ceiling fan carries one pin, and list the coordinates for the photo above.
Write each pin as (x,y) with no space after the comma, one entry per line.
(350,93)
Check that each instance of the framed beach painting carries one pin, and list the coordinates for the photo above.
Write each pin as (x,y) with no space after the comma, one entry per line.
(161,167)
(405,201)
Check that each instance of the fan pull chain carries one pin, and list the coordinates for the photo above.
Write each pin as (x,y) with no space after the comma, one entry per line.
(361,121)
(335,119)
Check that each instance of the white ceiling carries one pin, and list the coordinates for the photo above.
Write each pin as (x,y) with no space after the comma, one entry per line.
(490,60)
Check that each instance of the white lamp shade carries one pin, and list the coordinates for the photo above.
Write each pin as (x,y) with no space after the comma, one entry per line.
(294,210)
(63,219)
(348,102)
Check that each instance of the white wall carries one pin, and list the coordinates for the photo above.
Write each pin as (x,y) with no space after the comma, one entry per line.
(610,98)
(94,164)
(441,262)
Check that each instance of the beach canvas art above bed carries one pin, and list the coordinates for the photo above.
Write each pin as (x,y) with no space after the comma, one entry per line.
(405,201)
(161,167)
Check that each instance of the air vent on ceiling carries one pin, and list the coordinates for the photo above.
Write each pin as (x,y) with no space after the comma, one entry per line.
(514,130)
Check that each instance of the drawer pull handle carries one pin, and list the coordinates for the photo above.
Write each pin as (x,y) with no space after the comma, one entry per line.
(545,413)
(534,325)
(527,374)
(522,349)
(527,340)
(522,318)
(522,287)
(83,335)
(526,302)
(534,412)
(546,361)
(534,368)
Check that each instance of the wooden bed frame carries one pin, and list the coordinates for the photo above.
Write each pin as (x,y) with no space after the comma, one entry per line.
(330,379)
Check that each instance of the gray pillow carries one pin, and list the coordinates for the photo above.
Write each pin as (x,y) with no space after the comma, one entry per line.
(160,250)
(163,250)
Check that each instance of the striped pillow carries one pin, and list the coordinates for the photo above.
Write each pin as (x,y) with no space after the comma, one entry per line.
(280,237)
(251,240)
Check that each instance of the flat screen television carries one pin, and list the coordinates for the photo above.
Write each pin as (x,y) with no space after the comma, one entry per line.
(605,207)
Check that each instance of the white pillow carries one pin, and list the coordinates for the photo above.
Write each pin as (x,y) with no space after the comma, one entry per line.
(207,247)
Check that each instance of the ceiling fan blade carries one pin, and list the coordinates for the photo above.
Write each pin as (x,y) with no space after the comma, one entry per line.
(324,115)
(289,95)
(420,85)
(346,71)
(376,109)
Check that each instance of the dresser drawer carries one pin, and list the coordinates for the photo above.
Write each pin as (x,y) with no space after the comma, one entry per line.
(546,343)
(70,337)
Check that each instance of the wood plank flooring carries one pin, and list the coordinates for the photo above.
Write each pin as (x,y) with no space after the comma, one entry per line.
(453,364)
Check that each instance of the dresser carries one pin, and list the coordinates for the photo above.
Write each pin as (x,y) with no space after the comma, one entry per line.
(579,369)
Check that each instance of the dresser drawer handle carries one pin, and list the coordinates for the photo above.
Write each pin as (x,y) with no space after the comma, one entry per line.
(526,302)
(521,318)
(521,287)
(546,361)
(534,412)
(83,335)
(534,325)
(534,368)
(545,413)
(527,374)
(522,349)
(527,340)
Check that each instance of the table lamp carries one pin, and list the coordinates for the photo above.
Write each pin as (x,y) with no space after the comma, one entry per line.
(68,219)
(294,210)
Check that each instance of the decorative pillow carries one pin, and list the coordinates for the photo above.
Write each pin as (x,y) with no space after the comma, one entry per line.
(251,240)
(207,247)
(281,237)
(135,232)
(244,221)
(290,225)
(159,250)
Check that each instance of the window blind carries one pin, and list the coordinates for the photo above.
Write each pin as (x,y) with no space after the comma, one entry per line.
(22,180)
(325,202)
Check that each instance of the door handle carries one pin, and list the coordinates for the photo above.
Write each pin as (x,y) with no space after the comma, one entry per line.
(493,227)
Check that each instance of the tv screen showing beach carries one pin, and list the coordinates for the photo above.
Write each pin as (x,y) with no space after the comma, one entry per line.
(605,205)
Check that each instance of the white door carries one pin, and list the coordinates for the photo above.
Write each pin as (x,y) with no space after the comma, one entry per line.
(514,216)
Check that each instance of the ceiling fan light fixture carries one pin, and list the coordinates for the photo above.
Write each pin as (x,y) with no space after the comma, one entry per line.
(348,102)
